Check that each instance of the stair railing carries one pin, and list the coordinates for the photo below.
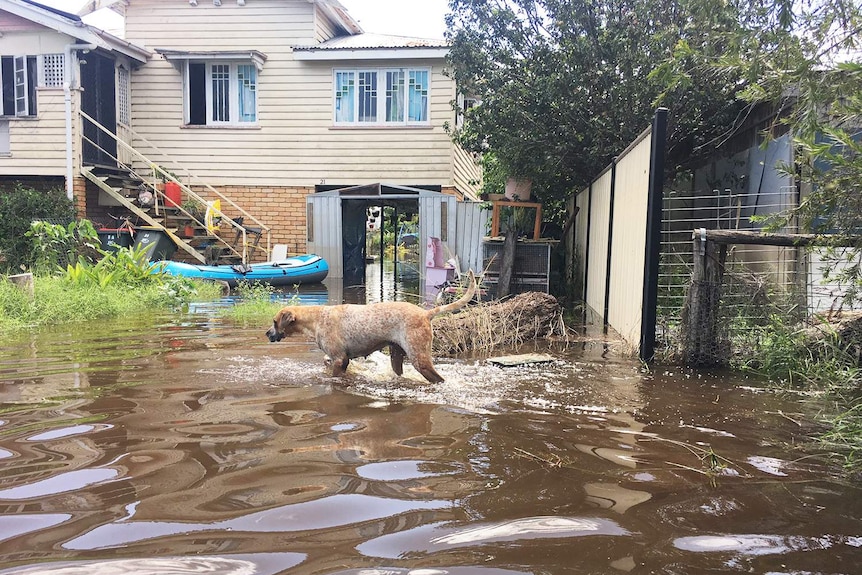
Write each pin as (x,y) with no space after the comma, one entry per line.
(159,172)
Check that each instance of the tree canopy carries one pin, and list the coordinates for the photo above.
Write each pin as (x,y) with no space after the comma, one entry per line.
(565,85)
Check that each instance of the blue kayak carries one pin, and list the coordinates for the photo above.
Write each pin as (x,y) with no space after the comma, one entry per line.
(304,269)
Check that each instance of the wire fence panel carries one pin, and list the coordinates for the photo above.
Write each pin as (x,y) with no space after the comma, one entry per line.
(758,282)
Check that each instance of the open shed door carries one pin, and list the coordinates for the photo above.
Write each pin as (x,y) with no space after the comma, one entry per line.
(437,218)
(323,217)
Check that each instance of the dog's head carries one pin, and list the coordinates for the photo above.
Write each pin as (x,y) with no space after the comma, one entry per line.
(282,324)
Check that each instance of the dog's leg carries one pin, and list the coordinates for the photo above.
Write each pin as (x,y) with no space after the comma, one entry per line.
(424,366)
(396,358)
(339,365)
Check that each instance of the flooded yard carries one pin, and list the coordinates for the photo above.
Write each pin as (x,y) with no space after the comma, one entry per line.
(185,444)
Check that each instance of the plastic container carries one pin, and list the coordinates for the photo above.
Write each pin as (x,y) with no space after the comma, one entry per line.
(112,238)
(173,195)
(158,244)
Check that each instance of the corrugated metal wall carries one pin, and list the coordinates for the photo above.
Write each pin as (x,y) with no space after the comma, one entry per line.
(628,249)
(597,256)
(471,227)
(324,232)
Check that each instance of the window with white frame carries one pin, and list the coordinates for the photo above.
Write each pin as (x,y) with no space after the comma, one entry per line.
(18,79)
(221,93)
(464,103)
(399,96)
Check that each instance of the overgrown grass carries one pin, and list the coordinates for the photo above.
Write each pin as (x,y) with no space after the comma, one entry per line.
(256,305)
(817,360)
(76,280)
(57,300)
(845,436)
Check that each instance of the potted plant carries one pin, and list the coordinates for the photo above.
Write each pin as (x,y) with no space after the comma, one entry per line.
(193,209)
(518,188)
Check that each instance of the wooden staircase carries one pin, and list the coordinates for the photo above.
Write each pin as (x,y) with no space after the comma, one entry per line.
(119,194)
(204,242)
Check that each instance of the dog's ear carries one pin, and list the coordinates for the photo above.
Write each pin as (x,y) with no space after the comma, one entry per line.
(283,319)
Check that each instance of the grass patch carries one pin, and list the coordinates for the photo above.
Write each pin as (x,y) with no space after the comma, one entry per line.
(257,304)
(57,300)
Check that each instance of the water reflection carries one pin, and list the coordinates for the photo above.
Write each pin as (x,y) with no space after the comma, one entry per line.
(186,442)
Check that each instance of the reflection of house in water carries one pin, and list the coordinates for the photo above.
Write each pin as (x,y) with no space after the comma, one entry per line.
(238,457)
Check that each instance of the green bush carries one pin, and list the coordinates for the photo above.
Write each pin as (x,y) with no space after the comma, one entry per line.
(19,206)
(57,246)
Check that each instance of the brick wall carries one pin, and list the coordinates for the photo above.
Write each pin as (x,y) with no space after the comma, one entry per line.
(282,209)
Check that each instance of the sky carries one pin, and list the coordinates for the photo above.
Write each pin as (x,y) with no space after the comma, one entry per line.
(418,18)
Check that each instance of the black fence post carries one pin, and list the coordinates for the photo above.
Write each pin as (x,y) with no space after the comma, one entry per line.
(653,236)
(607,304)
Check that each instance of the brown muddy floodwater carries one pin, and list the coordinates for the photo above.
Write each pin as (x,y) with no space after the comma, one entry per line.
(184,444)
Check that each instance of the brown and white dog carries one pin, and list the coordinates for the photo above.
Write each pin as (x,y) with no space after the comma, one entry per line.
(348,331)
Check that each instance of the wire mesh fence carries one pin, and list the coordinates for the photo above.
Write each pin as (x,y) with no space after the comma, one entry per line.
(758,282)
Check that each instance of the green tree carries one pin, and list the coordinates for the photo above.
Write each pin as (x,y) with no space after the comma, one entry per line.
(565,85)
(803,58)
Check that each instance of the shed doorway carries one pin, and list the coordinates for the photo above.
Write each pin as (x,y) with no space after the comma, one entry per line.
(380,244)
(339,231)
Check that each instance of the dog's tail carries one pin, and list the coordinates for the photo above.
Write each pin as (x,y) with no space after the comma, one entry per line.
(461,301)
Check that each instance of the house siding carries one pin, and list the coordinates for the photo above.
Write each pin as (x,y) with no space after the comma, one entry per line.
(295,140)
(467,171)
(12,23)
(323,27)
(37,146)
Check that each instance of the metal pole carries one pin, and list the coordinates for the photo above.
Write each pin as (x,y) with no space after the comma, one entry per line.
(653,236)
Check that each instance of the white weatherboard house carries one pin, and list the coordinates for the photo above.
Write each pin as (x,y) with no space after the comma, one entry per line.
(269,107)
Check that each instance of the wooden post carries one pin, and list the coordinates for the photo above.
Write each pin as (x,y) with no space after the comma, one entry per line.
(702,338)
(24,282)
(507,264)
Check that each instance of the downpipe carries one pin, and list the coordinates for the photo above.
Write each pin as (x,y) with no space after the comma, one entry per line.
(68,85)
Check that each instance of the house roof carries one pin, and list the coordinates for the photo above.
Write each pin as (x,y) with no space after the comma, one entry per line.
(338,14)
(373,47)
(71,25)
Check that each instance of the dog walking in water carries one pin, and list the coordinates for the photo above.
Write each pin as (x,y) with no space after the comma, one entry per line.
(348,331)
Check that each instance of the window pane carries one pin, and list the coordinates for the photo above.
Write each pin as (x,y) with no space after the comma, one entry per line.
(197,94)
(32,75)
(247,80)
(417,96)
(395,96)
(20,86)
(368,96)
(7,73)
(344,96)
(221,92)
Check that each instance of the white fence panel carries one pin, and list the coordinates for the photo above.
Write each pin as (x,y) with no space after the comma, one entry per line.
(628,249)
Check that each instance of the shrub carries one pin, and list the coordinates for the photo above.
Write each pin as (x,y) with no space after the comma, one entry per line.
(19,206)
